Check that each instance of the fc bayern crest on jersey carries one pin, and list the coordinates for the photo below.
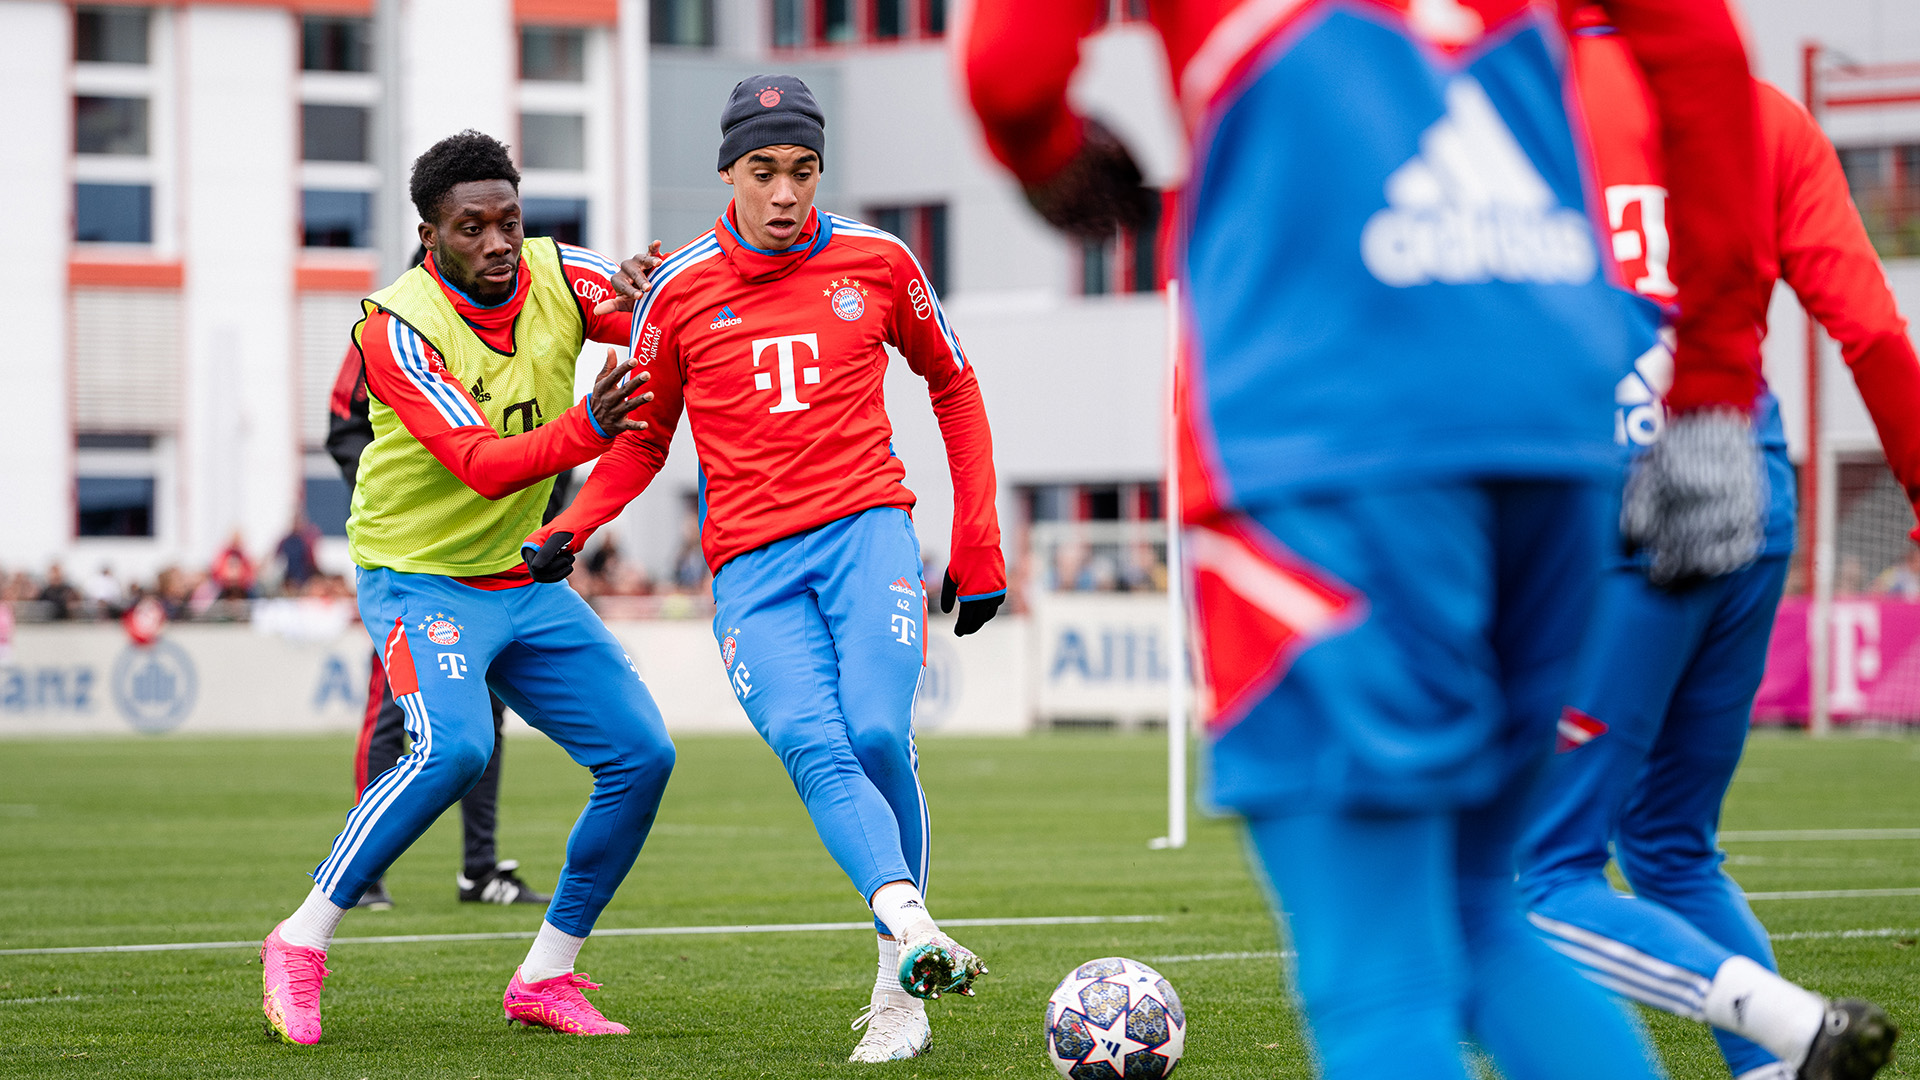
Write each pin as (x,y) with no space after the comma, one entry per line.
(848,299)
(442,631)
(728,648)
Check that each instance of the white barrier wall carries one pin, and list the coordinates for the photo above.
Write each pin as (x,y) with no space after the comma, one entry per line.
(302,667)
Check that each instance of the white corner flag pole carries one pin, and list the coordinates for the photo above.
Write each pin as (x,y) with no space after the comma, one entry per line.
(1176,599)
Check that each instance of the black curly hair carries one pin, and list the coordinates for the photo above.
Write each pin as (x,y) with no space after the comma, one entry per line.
(458,159)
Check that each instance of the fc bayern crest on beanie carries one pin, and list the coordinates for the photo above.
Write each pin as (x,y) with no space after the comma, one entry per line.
(771,110)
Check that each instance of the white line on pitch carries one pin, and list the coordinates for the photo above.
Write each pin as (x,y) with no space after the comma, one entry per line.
(1827,935)
(1759,836)
(39,1000)
(1267,955)
(638,931)
(1831,894)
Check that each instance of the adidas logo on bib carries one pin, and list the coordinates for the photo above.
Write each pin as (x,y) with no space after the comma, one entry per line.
(1471,208)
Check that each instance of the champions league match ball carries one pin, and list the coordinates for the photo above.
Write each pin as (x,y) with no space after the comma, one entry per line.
(1115,1019)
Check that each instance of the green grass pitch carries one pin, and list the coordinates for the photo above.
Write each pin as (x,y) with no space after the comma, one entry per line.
(137,841)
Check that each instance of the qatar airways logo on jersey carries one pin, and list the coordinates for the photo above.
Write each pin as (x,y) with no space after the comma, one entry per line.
(1470,208)
(649,344)
(784,364)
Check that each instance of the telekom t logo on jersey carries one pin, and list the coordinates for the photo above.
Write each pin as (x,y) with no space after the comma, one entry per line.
(783,363)
(1650,241)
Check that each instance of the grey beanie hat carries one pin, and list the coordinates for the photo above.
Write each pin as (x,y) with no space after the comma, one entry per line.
(771,110)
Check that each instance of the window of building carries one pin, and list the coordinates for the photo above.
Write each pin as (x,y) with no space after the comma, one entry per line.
(553,140)
(1095,537)
(554,53)
(113,213)
(1127,262)
(115,506)
(799,24)
(889,19)
(327,499)
(924,228)
(110,35)
(835,22)
(563,219)
(336,219)
(1885,181)
(789,23)
(110,125)
(683,22)
(336,43)
(333,132)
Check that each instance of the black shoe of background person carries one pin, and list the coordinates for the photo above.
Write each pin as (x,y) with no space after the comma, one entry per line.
(499,886)
(1855,1042)
(376,898)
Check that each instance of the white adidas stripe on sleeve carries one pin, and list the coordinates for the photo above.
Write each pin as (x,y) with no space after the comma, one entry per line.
(410,350)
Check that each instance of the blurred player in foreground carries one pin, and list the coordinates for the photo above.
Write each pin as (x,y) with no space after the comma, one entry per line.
(768,332)
(470,367)
(1396,459)
(484,877)
(1665,686)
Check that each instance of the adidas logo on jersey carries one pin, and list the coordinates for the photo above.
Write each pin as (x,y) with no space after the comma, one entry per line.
(1640,414)
(904,586)
(1470,208)
(724,319)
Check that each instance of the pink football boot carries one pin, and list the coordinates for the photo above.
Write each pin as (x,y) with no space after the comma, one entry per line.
(291,989)
(558,1004)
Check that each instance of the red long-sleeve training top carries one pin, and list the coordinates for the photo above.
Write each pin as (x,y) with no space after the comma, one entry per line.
(1018,57)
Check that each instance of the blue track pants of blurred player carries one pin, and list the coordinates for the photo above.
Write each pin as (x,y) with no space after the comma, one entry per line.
(821,633)
(1672,675)
(544,651)
(1384,776)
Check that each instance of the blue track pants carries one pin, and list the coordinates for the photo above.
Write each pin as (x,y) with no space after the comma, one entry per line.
(1384,777)
(545,653)
(1672,675)
(821,634)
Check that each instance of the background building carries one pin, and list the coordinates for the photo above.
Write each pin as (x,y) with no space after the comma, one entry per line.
(209,188)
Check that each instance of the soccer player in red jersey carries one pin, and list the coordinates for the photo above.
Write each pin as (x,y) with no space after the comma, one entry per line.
(768,332)
(1401,342)
(1658,713)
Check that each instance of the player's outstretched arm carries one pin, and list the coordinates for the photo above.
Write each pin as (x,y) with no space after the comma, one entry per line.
(1829,262)
(622,473)
(976,567)
(406,374)
(1075,173)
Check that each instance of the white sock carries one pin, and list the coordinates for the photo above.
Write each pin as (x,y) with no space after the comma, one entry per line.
(900,905)
(552,955)
(1778,1070)
(888,977)
(1754,1003)
(313,925)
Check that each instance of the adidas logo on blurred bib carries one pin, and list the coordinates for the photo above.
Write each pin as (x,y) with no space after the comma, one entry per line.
(1471,208)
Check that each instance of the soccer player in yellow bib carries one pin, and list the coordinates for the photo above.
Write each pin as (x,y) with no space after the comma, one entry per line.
(470,370)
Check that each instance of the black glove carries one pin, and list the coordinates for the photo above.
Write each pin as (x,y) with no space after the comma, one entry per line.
(973,613)
(1098,191)
(553,562)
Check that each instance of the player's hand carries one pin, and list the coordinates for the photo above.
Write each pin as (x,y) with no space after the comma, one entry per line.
(554,561)
(1099,190)
(973,613)
(1697,500)
(631,283)
(613,398)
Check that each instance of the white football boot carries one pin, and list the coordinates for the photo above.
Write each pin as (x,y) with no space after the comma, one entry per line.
(932,964)
(897,1028)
